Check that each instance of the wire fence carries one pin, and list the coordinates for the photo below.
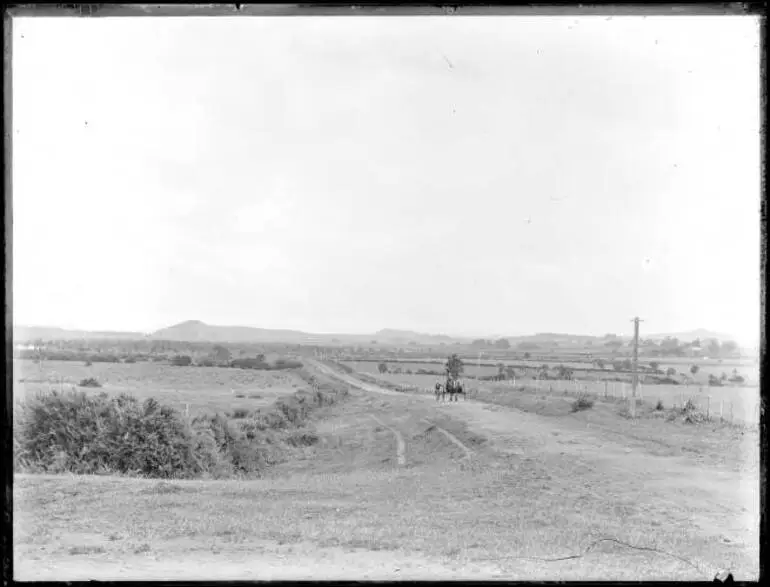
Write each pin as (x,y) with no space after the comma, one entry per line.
(737,405)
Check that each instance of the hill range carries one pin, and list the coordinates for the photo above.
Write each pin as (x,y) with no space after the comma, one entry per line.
(195,330)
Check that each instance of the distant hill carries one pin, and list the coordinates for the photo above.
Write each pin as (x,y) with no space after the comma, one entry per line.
(405,336)
(53,333)
(195,330)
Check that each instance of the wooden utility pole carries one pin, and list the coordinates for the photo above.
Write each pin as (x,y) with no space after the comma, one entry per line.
(635,367)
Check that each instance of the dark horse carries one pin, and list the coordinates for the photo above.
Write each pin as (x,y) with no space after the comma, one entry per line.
(440,391)
(454,388)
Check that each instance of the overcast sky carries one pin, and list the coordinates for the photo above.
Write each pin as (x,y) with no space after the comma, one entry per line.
(444,174)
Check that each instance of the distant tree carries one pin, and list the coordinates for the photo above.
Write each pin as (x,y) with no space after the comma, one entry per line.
(627,364)
(510,372)
(600,363)
(670,371)
(694,369)
(412,343)
(502,343)
(373,342)
(713,348)
(729,347)
(723,377)
(454,367)
(696,342)
(382,367)
(500,369)
(527,355)
(479,343)
(654,365)
(220,353)
(564,372)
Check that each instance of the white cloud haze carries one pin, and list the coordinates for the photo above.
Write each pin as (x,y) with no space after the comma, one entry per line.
(459,175)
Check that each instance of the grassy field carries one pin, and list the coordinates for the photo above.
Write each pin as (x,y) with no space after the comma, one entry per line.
(202,389)
(584,369)
(489,489)
(734,404)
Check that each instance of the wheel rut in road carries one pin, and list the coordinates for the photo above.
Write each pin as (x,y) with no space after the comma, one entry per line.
(400,444)
(468,452)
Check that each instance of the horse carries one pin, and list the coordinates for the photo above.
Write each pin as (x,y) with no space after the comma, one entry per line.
(440,391)
(453,388)
(460,390)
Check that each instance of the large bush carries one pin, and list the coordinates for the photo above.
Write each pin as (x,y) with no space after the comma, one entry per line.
(83,432)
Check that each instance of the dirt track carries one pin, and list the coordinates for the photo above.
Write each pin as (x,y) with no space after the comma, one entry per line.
(722,504)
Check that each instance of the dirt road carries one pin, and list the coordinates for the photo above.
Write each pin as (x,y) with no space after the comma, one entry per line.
(721,503)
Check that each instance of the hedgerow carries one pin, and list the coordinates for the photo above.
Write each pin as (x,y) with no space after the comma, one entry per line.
(80,432)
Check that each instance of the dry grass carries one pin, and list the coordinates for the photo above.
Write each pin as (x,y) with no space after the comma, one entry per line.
(346,494)
(203,389)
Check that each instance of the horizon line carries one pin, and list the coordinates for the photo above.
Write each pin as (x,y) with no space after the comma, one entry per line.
(371,333)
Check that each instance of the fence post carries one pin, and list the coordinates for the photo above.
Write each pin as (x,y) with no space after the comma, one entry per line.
(605,390)
(708,407)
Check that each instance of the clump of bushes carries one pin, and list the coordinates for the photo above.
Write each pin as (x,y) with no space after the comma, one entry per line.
(181,361)
(582,402)
(78,432)
(81,433)
(89,382)
(259,363)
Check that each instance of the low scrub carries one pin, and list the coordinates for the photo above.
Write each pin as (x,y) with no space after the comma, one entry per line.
(89,382)
(181,361)
(582,402)
(256,363)
(86,433)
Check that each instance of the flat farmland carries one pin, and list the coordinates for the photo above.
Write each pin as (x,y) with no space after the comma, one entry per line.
(202,389)
(733,404)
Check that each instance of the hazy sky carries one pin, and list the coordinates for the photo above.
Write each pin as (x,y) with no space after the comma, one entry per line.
(443,174)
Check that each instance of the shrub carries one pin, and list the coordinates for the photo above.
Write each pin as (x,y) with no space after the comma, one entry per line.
(659,405)
(84,432)
(582,402)
(88,363)
(104,358)
(89,382)
(249,363)
(129,360)
(181,361)
(302,438)
(81,433)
